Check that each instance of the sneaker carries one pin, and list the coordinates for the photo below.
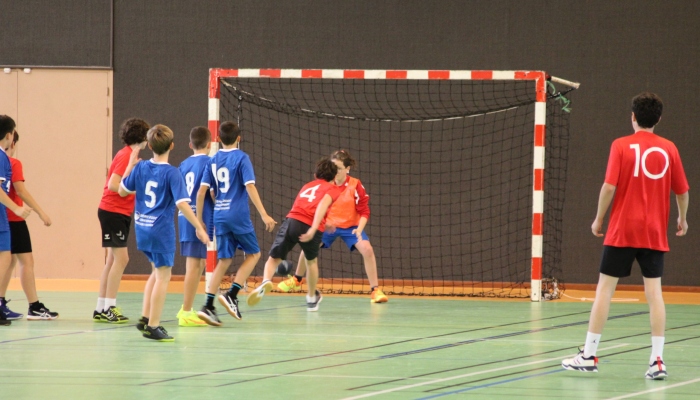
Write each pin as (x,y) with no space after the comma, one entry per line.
(113,315)
(190,318)
(231,305)
(378,296)
(159,333)
(97,316)
(581,363)
(142,324)
(208,315)
(256,295)
(9,314)
(289,285)
(313,305)
(657,370)
(39,312)
(4,321)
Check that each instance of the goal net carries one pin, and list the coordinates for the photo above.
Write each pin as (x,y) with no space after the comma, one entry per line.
(463,200)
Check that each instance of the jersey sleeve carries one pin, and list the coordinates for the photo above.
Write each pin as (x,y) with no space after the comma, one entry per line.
(208,178)
(120,164)
(177,187)
(247,173)
(129,183)
(612,174)
(679,182)
(361,200)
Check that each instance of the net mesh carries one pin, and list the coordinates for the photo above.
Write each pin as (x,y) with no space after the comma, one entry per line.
(447,165)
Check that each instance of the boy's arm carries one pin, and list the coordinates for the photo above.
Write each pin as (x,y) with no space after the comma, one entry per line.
(201,195)
(606,195)
(115,179)
(360,227)
(321,210)
(26,197)
(682,200)
(21,211)
(255,198)
(184,207)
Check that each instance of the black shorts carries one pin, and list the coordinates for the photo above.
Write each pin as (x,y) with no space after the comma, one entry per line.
(617,261)
(19,237)
(115,228)
(288,236)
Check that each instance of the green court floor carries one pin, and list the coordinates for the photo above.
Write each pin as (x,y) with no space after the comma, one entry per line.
(406,349)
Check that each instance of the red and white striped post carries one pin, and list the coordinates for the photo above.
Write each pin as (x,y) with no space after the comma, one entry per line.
(539,78)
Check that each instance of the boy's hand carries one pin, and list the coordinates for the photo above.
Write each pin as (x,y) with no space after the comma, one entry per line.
(308,235)
(596,228)
(203,236)
(22,212)
(269,223)
(682,227)
(45,218)
(358,234)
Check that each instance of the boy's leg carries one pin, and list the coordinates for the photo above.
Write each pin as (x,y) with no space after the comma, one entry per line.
(147,293)
(160,288)
(246,268)
(294,282)
(193,274)
(370,261)
(104,277)
(230,298)
(5,260)
(270,267)
(208,312)
(4,284)
(657,316)
(313,297)
(26,275)
(121,258)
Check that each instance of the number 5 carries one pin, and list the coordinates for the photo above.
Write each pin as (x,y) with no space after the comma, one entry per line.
(151,194)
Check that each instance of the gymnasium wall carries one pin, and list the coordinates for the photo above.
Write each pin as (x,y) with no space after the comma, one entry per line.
(163,50)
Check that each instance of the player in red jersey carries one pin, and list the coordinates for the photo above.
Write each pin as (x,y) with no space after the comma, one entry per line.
(114,214)
(643,169)
(304,224)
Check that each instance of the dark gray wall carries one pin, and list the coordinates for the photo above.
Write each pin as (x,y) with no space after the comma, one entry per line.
(163,50)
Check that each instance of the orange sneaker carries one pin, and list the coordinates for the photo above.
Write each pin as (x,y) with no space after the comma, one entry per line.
(378,296)
(289,285)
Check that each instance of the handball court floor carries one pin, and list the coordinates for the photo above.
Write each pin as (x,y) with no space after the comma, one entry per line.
(408,348)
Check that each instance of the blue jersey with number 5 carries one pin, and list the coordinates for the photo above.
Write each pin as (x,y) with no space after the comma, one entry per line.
(229,172)
(192,169)
(158,187)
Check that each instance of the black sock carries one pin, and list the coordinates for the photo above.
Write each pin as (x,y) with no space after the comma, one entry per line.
(210,300)
(3,301)
(233,292)
(298,278)
(373,288)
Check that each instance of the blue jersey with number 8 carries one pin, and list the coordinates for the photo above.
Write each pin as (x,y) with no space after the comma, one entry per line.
(192,170)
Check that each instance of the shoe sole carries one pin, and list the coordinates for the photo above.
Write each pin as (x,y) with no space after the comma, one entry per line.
(5,323)
(14,318)
(255,297)
(192,324)
(126,321)
(579,369)
(29,318)
(384,300)
(204,317)
(315,308)
(659,377)
(160,340)
(229,309)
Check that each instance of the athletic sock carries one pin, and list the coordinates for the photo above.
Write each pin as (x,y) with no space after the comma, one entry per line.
(373,288)
(110,303)
(233,292)
(210,300)
(591,346)
(34,305)
(100,304)
(657,348)
(298,278)
(311,299)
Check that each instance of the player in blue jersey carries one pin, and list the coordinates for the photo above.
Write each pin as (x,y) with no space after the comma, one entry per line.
(192,169)
(7,132)
(159,189)
(232,180)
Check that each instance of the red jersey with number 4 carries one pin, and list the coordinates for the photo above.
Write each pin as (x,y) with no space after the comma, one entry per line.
(309,197)
(644,168)
(112,201)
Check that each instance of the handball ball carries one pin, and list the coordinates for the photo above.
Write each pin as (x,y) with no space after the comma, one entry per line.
(285,268)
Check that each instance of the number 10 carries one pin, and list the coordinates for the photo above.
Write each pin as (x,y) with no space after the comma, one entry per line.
(644,161)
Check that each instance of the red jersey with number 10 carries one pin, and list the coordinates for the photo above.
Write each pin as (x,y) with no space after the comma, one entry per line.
(309,197)
(644,168)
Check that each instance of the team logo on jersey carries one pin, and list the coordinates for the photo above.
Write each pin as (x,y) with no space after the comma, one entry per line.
(137,216)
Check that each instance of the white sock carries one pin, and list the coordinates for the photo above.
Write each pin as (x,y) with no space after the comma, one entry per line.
(310,299)
(591,346)
(110,303)
(657,348)
(100,304)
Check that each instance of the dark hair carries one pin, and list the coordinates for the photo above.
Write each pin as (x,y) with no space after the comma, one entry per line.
(200,137)
(133,131)
(229,132)
(647,108)
(326,169)
(345,157)
(16,139)
(160,137)
(7,125)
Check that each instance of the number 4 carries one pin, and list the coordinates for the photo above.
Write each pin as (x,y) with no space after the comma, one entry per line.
(310,193)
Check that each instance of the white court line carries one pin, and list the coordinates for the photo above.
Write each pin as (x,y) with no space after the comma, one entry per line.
(396,389)
(627,396)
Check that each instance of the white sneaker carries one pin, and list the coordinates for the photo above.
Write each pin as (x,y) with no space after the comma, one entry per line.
(581,363)
(657,370)
(256,295)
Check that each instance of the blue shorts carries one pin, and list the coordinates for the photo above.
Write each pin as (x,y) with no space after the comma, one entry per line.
(227,244)
(194,249)
(161,259)
(5,241)
(344,233)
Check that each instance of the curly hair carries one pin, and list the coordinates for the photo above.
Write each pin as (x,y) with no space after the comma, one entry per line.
(133,131)
(647,108)
(344,157)
(326,169)
(160,137)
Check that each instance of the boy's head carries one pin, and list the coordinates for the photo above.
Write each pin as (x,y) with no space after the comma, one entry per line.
(326,169)
(133,131)
(160,139)
(647,108)
(229,132)
(344,157)
(200,137)
(7,126)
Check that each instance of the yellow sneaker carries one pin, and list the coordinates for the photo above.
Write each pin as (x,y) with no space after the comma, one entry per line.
(189,318)
(289,284)
(378,296)
(179,313)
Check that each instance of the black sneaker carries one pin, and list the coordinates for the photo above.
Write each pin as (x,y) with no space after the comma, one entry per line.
(231,304)
(208,315)
(313,305)
(4,321)
(159,333)
(97,316)
(142,324)
(113,315)
(39,312)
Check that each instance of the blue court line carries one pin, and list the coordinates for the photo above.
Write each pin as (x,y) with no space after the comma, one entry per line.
(470,388)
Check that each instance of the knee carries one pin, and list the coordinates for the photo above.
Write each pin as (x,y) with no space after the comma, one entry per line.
(365,248)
